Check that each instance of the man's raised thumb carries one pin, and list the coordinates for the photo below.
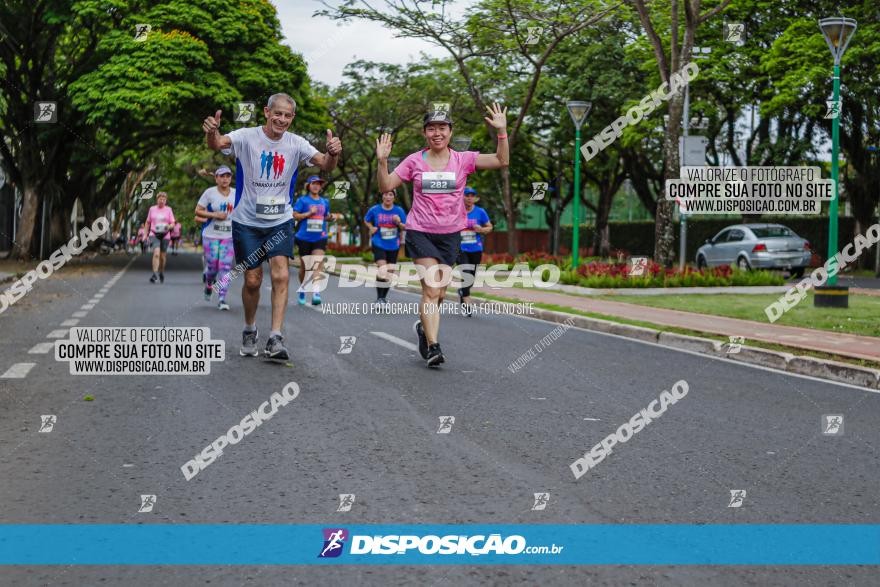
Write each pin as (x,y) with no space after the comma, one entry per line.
(217,116)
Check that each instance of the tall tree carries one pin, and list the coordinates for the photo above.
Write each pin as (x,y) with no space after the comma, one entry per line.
(681,18)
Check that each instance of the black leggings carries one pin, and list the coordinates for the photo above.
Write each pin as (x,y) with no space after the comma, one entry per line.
(469,258)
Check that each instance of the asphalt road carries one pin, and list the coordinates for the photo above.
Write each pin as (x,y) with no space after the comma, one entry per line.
(366,423)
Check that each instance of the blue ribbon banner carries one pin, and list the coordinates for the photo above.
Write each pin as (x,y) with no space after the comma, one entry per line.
(250,544)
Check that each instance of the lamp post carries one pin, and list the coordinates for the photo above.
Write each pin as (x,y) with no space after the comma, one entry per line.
(578,111)
(838,32)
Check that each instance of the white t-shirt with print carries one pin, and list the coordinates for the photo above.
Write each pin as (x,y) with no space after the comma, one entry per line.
(214,201)
(266,175)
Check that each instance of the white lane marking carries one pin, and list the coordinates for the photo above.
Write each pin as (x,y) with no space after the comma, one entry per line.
(87,306)
(94,301)
(70,322)
(539,398)
(592,419)
(18,371)
(41,348)
(60,333)
(398,341)
(685,351)
(98,296)
(80,314)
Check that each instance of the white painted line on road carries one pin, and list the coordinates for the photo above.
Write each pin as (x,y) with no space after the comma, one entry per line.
(70,322)
(93,301)
(87,306)
(18,371)
(592,419)
(678,350)
(538,398)
(80,314)
(98,296)
(60,333)
(41,348)
(398,341)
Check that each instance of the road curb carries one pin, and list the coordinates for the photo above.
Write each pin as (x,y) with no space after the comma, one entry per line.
(797,364)
(801,365)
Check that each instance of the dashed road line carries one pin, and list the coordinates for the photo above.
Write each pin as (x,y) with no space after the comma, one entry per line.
(41,348)
(18,371)
(398,341)
(70,322)
(60,333)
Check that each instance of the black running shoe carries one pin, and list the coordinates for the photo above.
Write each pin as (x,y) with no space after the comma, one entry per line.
(435,355)
(161,278)
(275,349)
(423,340)
(153,278)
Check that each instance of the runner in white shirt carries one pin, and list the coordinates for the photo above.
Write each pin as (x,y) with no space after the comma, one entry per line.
(215,206)
(267,160)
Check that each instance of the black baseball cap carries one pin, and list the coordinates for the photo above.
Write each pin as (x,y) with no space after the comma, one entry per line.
(436,116)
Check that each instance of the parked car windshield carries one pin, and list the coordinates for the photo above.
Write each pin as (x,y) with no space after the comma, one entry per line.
(771,231)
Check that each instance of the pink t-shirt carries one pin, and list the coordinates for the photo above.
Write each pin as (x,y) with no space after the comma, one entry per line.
(175,232)
(161,218)
(441,213)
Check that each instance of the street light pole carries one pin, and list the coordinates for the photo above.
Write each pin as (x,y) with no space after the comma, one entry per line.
(838,32)
(578,111)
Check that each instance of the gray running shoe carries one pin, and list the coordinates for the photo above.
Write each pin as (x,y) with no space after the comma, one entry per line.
(435,355)
(275,349)
(249,343)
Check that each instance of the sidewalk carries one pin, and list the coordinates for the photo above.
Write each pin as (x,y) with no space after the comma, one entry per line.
(848,345)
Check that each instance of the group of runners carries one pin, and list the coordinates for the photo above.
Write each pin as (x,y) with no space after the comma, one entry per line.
(258,221)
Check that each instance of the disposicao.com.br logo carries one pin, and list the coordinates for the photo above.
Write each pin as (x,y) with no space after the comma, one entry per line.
(431,544)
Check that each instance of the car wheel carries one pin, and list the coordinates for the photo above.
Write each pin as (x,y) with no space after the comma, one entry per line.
(701,262)
(798,272)
(743,264)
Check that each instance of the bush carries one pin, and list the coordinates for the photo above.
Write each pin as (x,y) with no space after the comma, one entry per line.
(598,274)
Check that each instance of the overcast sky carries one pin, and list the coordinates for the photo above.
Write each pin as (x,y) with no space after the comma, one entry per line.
(328,48)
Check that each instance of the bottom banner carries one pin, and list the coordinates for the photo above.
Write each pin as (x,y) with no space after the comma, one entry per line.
(247,544)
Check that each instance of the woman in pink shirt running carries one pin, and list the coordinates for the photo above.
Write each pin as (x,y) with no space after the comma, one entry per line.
(160,221)
(433,225)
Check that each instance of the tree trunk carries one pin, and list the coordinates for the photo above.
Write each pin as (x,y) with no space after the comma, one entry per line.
(27,228)
(509,211)
(664,233)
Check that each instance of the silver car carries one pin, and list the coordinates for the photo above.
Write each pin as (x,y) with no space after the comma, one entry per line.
(757,246)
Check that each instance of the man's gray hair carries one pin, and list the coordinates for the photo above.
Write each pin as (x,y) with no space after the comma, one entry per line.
(274,97)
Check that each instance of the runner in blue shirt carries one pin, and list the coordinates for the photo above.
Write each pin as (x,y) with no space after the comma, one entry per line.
(312,212)
(385,221)
(471,242)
